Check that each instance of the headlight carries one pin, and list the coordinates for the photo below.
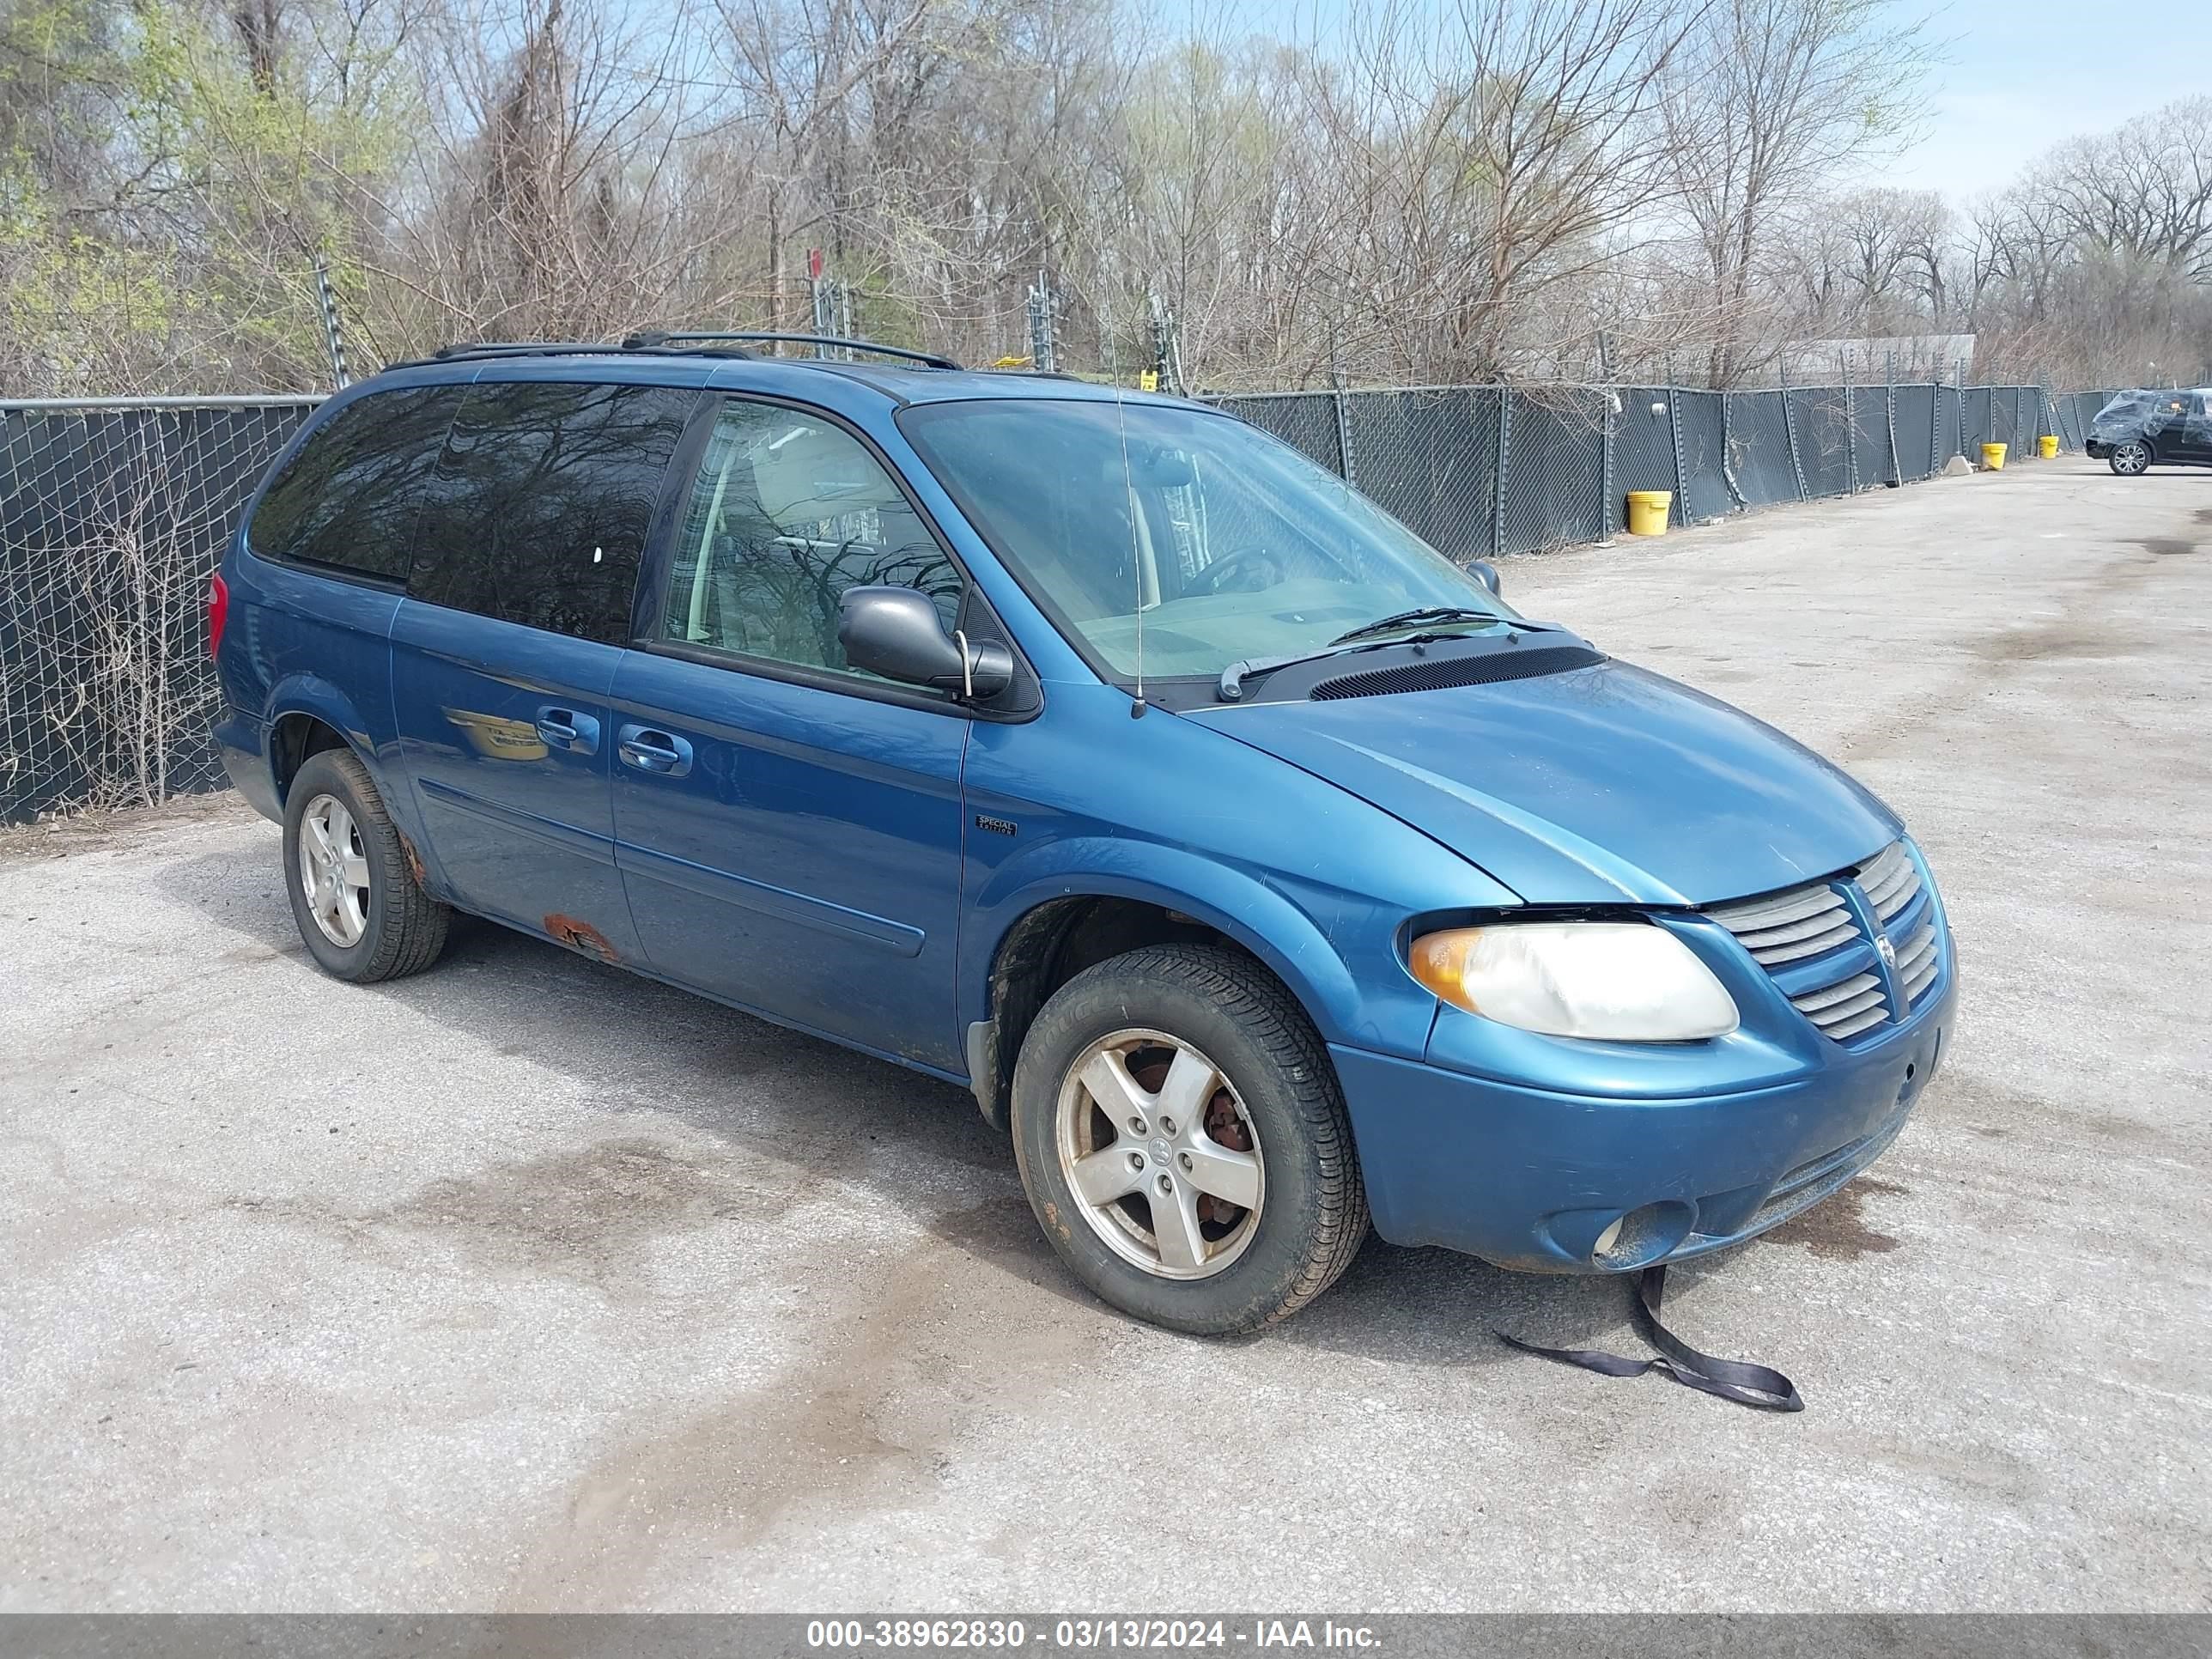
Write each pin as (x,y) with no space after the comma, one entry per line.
(1625,981)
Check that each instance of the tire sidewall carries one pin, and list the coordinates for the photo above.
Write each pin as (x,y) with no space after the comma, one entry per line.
(321,774)
(1242,1296)
(2130,471)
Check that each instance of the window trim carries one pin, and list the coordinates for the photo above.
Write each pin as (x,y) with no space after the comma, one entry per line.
(659,562)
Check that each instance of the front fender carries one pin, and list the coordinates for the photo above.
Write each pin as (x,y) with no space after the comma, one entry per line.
(1256,915)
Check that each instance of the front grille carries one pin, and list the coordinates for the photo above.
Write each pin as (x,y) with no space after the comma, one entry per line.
(1814,941)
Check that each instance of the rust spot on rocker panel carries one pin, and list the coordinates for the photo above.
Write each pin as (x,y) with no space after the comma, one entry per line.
(407,851)
(580,936)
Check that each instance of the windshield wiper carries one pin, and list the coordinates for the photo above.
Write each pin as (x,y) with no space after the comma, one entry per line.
(1231,686)
(1424,613)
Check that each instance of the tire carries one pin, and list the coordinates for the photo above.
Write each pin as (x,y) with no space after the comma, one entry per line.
(1259,1073)
(2130,458)
(400,928)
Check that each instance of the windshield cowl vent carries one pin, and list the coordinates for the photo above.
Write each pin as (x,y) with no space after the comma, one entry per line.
(1488,669)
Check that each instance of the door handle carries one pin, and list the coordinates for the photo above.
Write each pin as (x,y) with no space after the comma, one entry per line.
(650,750)
(564,728)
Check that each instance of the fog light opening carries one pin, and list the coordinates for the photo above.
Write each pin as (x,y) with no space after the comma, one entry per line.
(1643,1236)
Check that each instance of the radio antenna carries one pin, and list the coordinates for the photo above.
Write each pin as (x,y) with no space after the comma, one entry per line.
(1129,488)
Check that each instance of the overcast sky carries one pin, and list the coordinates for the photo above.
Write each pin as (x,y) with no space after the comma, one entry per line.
(2025,74)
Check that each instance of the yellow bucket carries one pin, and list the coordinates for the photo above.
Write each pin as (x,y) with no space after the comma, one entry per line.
(1647,511)
(2047,446)
(1993,457)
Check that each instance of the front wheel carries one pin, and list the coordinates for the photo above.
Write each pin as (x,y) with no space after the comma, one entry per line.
(2130,459)
(1183,1141)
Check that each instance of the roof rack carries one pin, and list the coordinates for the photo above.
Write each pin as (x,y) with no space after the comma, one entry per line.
(566,348)
(652,339)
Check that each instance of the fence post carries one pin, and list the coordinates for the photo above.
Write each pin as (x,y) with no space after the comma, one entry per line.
(1789,426)
(332,339)
(1498,490)
(1610,419)
(1935,427)
(1681,513)
(1851,431)
(1889,406)
(1345,466)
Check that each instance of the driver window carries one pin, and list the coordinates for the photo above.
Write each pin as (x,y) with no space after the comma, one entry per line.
(789,511)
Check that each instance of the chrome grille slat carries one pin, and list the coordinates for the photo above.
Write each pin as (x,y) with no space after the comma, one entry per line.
(1792,906)
(1816,1002)
(1841,933)
(1851,1027)
(1801,924)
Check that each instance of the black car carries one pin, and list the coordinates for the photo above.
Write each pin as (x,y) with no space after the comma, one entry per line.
(2172,427)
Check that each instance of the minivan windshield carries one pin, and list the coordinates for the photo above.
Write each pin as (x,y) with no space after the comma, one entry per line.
(1233,546)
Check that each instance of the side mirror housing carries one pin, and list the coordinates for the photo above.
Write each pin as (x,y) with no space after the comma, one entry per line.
(1486,573)
(895,632)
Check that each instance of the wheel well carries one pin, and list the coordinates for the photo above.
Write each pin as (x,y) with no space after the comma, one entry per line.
(294,738)
(1044,950)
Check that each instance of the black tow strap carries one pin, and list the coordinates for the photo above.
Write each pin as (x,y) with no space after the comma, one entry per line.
(1731,1379)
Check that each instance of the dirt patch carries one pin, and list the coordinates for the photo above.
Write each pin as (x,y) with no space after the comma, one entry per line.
(2165,547)
(90,831)
(1836,1229)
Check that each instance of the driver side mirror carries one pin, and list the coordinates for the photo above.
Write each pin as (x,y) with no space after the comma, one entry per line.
(1486,573)
(896,632)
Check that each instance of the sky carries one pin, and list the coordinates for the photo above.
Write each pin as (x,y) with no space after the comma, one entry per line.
(2023,75)
(2018,76)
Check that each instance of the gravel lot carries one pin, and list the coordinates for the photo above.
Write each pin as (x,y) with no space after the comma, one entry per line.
(525,1285)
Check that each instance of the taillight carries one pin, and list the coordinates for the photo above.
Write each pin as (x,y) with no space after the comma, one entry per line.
(218,611)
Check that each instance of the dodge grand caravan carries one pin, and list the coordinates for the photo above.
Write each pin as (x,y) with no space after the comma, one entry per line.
(1257,868)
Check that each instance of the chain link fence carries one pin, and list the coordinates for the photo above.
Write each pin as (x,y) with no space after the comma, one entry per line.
(112,519)
(113,515)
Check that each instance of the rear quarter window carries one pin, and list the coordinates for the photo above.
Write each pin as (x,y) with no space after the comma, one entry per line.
(539,512)
(349,498)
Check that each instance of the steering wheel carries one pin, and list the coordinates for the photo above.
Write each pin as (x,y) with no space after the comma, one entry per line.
(1215,579)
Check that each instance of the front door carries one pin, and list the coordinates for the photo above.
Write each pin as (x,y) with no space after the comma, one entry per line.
(788,828)
(504,653)
(2194,440)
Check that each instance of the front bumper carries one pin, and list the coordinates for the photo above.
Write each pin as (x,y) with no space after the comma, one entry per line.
(1530,1178)
(2097,449)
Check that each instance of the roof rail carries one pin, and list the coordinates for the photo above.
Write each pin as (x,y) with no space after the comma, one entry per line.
(566,348)
(649,339)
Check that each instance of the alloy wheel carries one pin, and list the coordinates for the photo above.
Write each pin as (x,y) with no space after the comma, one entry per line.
(1161,1154)
(334,870)
(2131,457)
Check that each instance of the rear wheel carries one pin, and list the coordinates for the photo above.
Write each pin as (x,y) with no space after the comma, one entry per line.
(1183,1141)
(359,906)
(2130,458)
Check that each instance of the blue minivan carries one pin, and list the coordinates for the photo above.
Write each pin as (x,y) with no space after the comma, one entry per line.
(1259,870)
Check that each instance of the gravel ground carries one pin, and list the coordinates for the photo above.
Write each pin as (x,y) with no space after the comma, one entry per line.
(525,1285)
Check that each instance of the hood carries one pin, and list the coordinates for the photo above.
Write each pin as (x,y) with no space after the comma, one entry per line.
(1600,786)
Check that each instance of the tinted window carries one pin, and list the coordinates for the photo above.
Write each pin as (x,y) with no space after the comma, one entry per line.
(349,498)
(538,514)
(789,510)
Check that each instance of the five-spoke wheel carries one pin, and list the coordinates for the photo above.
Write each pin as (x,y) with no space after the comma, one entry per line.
(334,870)
(1162,1153)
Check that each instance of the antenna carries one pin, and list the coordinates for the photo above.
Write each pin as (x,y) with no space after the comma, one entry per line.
(1136,540)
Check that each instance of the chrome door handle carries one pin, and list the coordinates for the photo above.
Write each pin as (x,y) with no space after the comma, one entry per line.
(647,749)
(564,728)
